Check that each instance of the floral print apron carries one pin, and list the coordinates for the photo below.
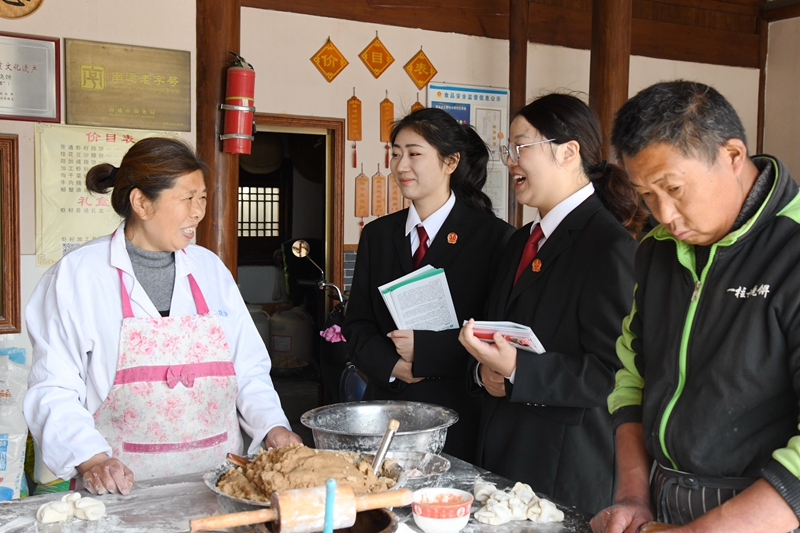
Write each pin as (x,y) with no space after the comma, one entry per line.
(172,408)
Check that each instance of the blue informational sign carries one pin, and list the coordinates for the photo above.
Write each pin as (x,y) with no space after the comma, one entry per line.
(486,110)
(460,112)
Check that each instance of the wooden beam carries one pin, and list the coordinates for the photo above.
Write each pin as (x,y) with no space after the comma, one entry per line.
(555,25)
(610,63)
(698,45)
(218,26)
(517,75)
(786,11)
(763,34)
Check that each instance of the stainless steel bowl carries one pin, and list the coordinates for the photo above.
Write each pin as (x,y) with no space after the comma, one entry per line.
(359,426)
(229,504)
(418,465)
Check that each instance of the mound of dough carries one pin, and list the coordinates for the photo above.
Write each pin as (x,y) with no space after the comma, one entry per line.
(295,467)
(89,509)
(71,498)
(520,503)
(52,512)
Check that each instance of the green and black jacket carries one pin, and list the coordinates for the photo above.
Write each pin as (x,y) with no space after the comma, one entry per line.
(711,359)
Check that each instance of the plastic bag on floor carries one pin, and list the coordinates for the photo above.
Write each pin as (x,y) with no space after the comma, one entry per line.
(13,430)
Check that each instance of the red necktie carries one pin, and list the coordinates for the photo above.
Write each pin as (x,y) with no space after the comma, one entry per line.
(422,248)
(531,247)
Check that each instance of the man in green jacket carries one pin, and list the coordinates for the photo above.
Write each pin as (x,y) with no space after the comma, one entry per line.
(705,408)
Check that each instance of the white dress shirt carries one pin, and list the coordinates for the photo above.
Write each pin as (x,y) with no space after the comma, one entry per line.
(549,224)
(74,318)
(432,224)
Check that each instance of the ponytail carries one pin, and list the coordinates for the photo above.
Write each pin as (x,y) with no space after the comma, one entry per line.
(470,176)
(564,118)
(614,189)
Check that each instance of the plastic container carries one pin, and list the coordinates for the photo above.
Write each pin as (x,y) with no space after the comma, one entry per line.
(262,322)
(293,338)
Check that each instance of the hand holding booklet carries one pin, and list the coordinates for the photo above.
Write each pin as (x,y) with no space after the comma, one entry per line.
(421,300)
(518,335)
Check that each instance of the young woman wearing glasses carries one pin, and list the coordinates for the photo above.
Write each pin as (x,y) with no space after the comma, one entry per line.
(440,166)
(569,276)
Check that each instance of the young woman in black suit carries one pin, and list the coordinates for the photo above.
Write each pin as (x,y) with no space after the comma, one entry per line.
(545,419)
(440,166)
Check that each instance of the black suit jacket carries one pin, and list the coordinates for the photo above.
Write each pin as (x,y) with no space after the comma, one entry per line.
(553,429)
(384,254)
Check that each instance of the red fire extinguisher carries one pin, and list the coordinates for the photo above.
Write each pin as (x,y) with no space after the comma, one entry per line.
(238,128)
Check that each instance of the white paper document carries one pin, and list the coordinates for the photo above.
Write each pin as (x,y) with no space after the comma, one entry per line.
(421,300)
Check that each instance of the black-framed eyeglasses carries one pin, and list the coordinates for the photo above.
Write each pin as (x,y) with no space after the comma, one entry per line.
(512,150)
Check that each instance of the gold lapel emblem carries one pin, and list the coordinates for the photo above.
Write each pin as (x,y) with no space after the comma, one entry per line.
(452,238)
(536,266)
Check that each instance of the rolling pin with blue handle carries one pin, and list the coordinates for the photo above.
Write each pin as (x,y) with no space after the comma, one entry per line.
(303,510)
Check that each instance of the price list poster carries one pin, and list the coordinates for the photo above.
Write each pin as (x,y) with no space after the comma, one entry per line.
(486,109)
(67,214)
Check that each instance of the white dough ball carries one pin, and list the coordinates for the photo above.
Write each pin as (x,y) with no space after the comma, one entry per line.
(544,511)
(51,512)
(89,509)
(482,490)
(494,513)
(71,498)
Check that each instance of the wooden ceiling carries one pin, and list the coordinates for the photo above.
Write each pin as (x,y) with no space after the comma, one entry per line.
(722,32)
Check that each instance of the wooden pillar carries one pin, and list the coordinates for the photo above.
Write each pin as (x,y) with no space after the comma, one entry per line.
(763,45)
(610,63)
(517,75)
(217,33)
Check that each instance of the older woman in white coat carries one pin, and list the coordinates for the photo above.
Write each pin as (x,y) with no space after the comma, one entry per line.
(143,349)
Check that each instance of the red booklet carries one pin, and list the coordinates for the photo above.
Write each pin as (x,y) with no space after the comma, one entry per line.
(520,336)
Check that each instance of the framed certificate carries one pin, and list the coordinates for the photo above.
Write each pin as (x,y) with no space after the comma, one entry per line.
(30,74)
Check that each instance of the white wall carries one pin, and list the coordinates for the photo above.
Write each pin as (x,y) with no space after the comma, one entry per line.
(782,111)
(288,82)
(280,46)
(145,23)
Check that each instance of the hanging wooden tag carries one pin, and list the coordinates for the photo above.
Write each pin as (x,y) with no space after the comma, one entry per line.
(362,195)
(378,193)
(417,105)
(354,123)
(395,197)
(387,121)
(376,57)
(329,60)
(420,69)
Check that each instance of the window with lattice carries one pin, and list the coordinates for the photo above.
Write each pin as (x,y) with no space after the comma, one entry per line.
(259,212)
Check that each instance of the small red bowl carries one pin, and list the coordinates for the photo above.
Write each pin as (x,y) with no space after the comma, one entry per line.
(441,510)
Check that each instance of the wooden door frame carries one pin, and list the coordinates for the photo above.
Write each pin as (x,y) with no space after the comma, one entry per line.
(334,187)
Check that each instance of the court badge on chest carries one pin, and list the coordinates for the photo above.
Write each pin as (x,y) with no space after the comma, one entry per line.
(452,238)
(536,266)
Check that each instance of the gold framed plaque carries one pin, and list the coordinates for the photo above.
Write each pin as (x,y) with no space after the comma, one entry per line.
(127,86)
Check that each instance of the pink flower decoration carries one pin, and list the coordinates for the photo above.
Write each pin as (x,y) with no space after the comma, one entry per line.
(333,334)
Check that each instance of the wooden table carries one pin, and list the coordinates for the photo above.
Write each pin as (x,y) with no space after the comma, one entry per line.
(166,505)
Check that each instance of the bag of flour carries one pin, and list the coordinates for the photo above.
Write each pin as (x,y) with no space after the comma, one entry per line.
(13,430)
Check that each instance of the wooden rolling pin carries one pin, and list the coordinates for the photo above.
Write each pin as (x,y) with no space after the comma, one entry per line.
(303,510)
